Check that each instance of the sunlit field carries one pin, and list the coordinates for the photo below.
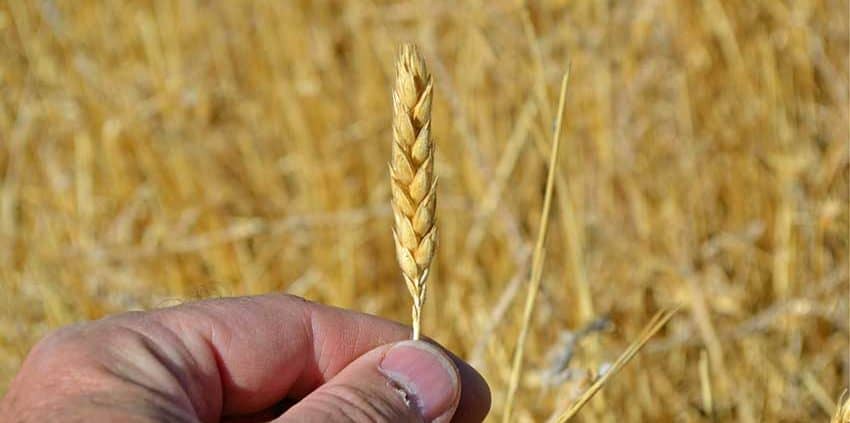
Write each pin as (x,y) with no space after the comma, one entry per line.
(155,152)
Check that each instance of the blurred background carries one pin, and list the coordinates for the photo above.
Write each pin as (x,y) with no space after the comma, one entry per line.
(153,152)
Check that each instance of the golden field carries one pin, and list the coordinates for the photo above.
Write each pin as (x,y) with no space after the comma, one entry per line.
(153,152)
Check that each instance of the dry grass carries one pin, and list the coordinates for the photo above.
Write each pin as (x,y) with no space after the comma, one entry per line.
(842,411)
(657,322)
(414,187)
(156,151)
(537,259)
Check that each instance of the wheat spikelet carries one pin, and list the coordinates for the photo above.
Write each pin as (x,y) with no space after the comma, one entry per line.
(412,176)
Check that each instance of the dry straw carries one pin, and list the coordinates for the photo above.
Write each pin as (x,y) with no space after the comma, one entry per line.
(535,279)
(842,412)
(412,176)
(537,259)
(658,321)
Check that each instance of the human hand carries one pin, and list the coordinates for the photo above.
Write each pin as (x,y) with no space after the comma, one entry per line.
(243,359)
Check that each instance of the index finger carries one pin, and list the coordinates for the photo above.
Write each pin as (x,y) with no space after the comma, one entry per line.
(271,347)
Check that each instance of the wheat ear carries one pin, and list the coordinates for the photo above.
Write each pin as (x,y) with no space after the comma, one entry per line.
(412,174)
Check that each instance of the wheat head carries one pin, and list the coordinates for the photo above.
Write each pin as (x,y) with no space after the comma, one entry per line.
(412,176)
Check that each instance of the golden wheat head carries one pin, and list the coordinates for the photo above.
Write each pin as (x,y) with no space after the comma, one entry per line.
(412,175)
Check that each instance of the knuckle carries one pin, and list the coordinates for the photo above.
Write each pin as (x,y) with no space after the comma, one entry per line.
(81,339)
(56,340)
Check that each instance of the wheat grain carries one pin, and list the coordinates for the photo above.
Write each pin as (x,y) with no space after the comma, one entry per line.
(412,176)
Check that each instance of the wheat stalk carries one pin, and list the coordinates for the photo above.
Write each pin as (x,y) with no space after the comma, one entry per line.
(658,321)
(538,256)
(412,175)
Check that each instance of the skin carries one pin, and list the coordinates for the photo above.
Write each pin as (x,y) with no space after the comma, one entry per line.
(265,358)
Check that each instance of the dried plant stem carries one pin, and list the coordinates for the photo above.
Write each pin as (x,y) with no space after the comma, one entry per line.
(537,260)
(658,321)
(412,176)
(842,412)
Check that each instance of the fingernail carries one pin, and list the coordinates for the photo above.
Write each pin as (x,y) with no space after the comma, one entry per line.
(425,374)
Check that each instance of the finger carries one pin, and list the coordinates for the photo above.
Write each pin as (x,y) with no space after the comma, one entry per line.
(407,381)
(258,350)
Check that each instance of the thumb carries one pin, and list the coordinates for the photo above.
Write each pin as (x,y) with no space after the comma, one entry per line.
(406,381)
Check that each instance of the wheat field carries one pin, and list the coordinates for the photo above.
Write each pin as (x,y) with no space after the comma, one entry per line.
(153,152)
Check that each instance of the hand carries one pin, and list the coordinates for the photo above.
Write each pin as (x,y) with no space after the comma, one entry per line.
(243,359)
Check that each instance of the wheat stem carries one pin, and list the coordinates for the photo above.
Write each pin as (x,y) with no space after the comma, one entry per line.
(537,258)
(658,321)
